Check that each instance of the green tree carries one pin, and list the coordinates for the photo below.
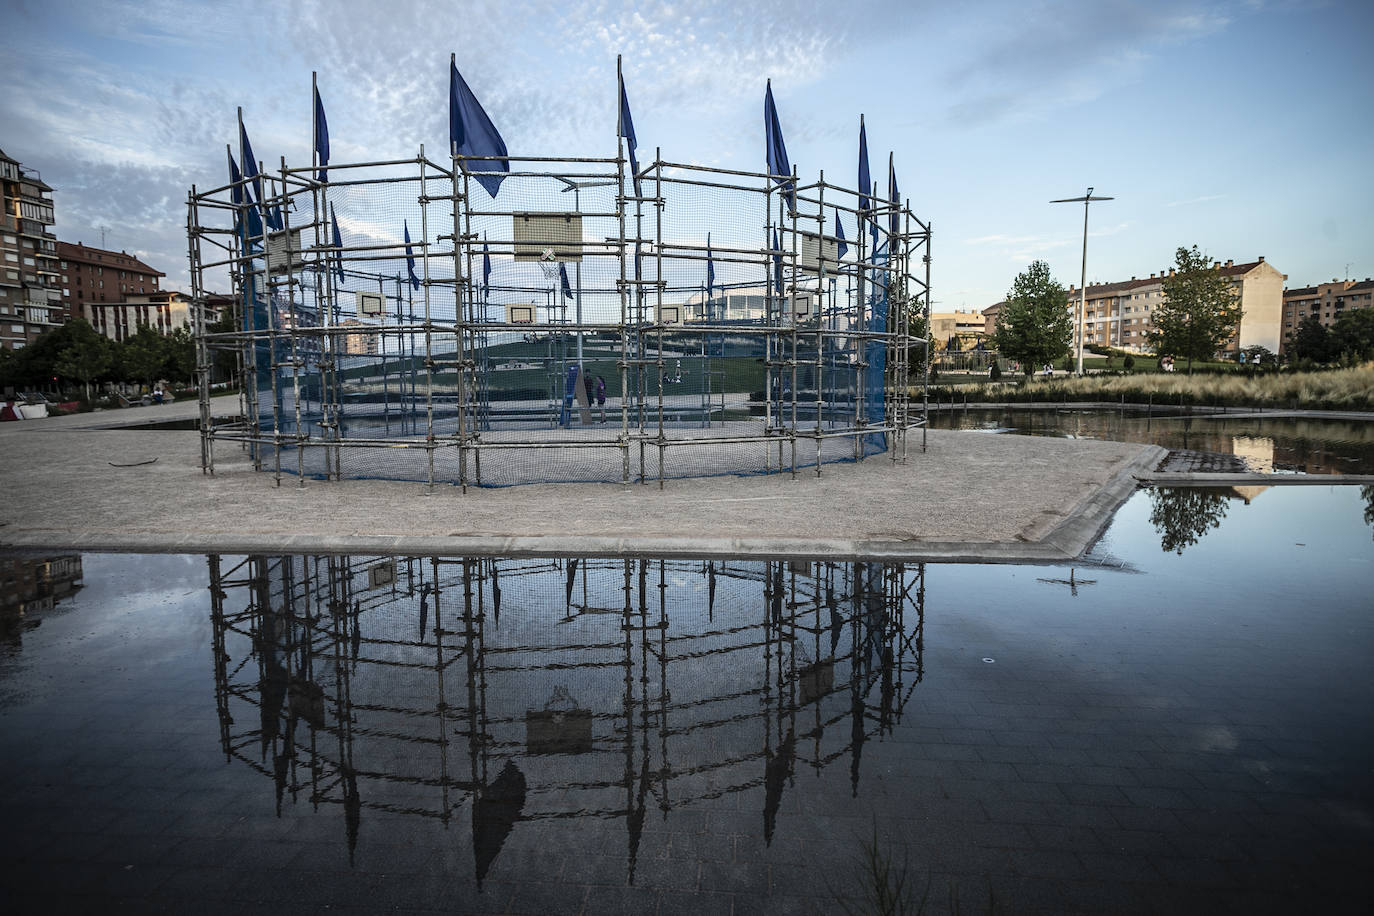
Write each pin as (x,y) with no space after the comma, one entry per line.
(1313,341)
(84,355)
(1034,327)
(1200,310)
(1352,334)
(144,355)
(180,362)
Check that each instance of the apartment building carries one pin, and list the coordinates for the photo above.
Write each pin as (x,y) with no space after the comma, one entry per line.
(1328,301)
(30,295)
(164,311)
(95,276)
(1118,314)
(957,330)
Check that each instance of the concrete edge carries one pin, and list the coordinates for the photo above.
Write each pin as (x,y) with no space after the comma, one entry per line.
(1195,479)
(1084,525)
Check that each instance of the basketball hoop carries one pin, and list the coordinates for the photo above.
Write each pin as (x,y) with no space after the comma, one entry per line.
(548,263)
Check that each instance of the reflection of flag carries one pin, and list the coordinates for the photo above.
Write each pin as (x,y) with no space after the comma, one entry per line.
(338,244)
(777,264)
(250,171)
(321,137)
(778,165)
(841,246)
(563,277)
(626,128)
(471,133)
(710,269)
(410,259)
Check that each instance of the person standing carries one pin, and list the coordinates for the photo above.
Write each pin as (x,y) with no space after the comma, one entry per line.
(601,396)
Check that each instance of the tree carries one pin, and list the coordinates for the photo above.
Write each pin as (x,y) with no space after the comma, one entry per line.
(1034,327)
(144,355)
(1200,310)
(1352,334)
(85,354)
(1313,341)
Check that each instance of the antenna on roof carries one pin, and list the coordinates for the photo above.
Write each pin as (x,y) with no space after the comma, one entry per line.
(103,230)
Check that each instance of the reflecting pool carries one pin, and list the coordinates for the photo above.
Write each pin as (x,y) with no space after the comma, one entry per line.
(1182,720)
(1264,444)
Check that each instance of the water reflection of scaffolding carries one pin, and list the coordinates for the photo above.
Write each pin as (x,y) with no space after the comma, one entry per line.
(419,685)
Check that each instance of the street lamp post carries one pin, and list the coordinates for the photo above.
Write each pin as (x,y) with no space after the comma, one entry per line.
(1083,280)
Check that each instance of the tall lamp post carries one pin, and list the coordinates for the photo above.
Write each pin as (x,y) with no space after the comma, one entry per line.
(1083,281)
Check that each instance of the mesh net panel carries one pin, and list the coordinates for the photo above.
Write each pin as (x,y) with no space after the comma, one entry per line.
(408,326)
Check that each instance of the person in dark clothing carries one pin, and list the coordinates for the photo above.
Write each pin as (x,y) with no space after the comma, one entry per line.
(601,396)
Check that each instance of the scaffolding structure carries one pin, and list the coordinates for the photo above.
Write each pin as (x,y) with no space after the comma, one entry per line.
(582,323)
(453,689)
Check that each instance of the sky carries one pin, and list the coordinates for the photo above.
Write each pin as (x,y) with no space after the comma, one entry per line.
(1243,128)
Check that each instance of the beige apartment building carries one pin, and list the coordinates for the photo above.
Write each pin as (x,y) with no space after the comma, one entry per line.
(1328,301)
(164,311)
(1119,314)
(962,327)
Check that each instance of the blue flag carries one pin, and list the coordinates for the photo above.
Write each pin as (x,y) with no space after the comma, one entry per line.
(338,245)
(895,198)
(486,268)
(777,265)
(471,133)
(236,196)
(778,165)
(626,128)
(710,269)
(563,277)
(321,137)
(841,245)
(865,181)
(410,258)
(250,171)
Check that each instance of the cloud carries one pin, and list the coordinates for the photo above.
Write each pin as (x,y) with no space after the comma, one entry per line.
(1050,54)
(1195,200)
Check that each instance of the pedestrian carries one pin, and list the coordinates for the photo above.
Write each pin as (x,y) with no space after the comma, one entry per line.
(587,387)
(601,396)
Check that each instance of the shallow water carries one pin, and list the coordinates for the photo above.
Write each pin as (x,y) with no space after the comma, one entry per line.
(1264,444)
(1183,721)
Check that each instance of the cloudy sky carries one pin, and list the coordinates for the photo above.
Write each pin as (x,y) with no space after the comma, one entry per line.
(1242,127)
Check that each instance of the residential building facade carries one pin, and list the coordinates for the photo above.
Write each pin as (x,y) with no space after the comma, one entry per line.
(30,293)
(164,311)
(1119,314)
(95,277)
(1328,301)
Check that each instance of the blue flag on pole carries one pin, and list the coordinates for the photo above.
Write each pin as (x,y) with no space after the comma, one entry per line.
(236,196)
(410,258)
(626,128)
(865,183)
(563,278)
(321,138)
(710,269)
(338,244)
(841,245)
(895,198)
(486,268)
(778,165)
(471,133)
(250,171)
(777,265)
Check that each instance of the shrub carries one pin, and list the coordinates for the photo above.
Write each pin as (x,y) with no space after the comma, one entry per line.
(1128,362)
